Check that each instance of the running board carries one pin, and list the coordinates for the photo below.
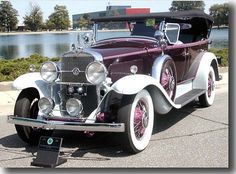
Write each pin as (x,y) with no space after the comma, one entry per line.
(189,96)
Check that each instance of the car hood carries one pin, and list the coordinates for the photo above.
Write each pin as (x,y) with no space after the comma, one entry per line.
(114,48)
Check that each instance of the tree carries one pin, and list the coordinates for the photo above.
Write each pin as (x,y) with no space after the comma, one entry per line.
(85,21)
(34,20)
(113,25)
(8,16)
(59,19)
(88,18)
(187,5)
(220,13)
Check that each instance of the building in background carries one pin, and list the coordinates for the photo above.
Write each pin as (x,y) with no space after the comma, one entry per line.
(110,11)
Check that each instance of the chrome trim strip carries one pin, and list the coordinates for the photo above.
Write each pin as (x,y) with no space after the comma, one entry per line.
(76,126)
(62,71)
(72,83)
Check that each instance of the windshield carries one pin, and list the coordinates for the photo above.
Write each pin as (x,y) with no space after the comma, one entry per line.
(125,29)
(107,30)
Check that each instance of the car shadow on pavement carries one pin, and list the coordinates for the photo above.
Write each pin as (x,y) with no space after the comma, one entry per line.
(105,146)
(101,146)
(13,143)
(163,122)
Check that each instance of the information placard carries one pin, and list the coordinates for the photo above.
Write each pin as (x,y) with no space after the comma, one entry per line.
(48,152)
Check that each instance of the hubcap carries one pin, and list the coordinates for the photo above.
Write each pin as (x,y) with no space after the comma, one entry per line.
(141,119)
(145,121)
(211,85)
(168,81)
(172,83)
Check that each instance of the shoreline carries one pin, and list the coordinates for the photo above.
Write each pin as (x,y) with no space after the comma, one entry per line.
(38,32)
(75,31)
(54,32)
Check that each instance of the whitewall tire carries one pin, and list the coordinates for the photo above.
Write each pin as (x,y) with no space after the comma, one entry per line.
(208,97)
(138,115)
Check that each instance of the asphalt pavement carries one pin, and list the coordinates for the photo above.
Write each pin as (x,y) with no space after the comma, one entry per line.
(190,137)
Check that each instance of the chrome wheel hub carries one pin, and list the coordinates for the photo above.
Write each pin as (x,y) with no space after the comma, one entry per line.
(145,121)
(141,119)
(211,85)
(168,81)
(172,83)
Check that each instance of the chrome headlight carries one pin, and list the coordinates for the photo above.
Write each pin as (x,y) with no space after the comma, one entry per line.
(49,72)
(96,73)
(45,105)
(74,107)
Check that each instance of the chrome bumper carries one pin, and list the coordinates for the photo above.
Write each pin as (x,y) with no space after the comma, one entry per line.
(76,126)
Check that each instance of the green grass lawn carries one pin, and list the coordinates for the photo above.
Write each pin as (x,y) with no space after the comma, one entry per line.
(11,69)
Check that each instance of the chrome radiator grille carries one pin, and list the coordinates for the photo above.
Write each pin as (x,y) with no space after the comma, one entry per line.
(77,61)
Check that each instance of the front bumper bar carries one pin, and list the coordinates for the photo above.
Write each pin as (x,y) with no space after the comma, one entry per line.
(76,126)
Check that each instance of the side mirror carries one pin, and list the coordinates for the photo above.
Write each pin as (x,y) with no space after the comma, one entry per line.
(85,39)
(159,35)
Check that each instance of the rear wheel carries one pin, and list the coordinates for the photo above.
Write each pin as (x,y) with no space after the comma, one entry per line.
(27,106)
(138,115)
(168,78)
(208,97)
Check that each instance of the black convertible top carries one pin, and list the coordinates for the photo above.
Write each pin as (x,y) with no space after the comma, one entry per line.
(181,15)
(201,22)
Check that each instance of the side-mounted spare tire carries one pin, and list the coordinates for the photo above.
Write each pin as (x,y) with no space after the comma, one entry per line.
(168,77)
(27,106)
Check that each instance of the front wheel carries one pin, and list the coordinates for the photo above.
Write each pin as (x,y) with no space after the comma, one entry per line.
(27,106)
(208,97)
(138,115)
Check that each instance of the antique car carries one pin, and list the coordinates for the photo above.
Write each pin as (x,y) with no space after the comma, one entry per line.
(119,84)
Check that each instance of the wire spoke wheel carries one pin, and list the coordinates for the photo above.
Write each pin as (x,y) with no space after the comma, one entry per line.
(168,78)
(208,97)
(137,113)
(140,119)
(211,85)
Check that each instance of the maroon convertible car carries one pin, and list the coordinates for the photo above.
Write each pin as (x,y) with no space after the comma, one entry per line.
(119,84)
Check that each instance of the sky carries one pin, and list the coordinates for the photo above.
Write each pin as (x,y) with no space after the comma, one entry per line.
(83,6)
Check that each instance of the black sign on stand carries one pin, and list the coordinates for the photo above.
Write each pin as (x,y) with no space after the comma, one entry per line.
(48,152)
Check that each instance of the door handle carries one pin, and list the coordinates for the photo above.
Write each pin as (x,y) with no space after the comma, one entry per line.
(185,54)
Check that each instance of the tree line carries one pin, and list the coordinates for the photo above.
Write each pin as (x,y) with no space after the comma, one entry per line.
(59,19)
(33,19)
(219,12)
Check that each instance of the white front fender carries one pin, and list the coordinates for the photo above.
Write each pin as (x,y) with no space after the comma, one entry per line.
(32,80)
(132,84)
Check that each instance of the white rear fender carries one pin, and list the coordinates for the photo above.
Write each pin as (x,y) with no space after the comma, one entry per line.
(200,81)
(32,80)
(132,84)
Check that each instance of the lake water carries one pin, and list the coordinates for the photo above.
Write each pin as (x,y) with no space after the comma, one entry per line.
(55,44)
